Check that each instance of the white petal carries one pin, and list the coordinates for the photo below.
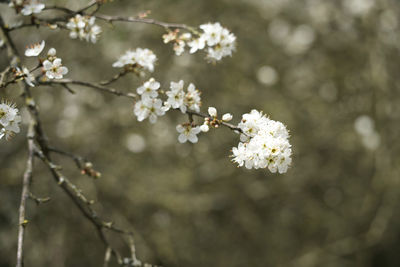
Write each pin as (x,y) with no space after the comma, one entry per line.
(182,138)
(193,138)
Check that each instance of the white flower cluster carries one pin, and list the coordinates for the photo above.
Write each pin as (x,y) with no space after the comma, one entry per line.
(264,143)
(83,27)
(53,67)
(220,42)
(178,98)
(9,120)
(27,7)
(149,106)
(145,58)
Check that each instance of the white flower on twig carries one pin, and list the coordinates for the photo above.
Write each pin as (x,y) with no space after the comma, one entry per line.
(35,49)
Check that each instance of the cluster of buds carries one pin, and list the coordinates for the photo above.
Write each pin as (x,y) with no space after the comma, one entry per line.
(89,171)
(213,121)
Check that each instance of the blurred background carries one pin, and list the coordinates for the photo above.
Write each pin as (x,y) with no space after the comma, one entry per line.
(329,70)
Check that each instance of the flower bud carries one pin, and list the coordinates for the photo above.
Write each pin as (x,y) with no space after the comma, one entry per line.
(212,111)
(227,117)
(204,128)
(52,52)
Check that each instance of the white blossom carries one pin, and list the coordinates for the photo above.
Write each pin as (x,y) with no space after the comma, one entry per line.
(149,89)
(149,108)
(212,111)
(264,144)
(192,99)
(52,52)
(84,28)
(9,120)
(188,132)
(32,7)
(212,33)
(94,33)
(204,128)
(29,78)
(16,3)
(179,47)
(8,112)
(35,49)
(54,69)
(143,57)
(196,44)
(170,36)
(227,117)
(220,41)
(176,96)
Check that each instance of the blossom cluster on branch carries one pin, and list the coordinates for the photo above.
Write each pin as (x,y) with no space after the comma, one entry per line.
(219,41)
(264,143)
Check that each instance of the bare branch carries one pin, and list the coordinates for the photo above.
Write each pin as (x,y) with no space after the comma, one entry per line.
(22,221)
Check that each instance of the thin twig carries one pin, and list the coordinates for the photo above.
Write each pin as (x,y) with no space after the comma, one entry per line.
(77,159)
(165,25)
(88,84)
(114,78)
(39,200)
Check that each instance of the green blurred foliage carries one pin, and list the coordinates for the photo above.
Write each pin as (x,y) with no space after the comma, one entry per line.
(315,65)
